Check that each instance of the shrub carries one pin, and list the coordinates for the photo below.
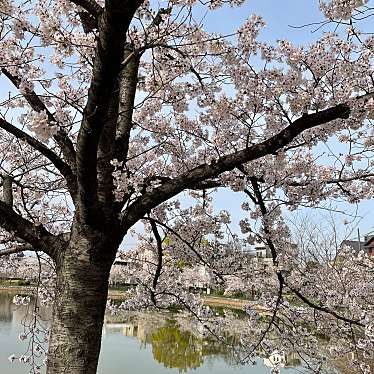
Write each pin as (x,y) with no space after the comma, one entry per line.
(20,282)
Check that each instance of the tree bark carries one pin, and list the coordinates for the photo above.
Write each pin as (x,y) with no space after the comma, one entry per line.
(79,307)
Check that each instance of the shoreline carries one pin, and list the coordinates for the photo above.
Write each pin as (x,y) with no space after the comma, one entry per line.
(113,294)
(225,302)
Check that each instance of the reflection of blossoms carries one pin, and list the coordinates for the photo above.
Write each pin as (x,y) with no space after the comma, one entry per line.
(35,335)
(369,331)
(21,300)
(24,359)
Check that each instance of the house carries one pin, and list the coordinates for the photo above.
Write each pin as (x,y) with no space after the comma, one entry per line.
(262,251)
(198,278)
(279,359)
(367,245)
(264,255)
(356,245)
(125,269)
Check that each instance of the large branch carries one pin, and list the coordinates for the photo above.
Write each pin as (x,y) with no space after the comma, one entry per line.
(35,235)
(91,6)
(90,15)
(128,84)
(323,308)
(17,249)
(60,165)
(167,190)
(105,154)
(35,102)
(113,24)
(7,190)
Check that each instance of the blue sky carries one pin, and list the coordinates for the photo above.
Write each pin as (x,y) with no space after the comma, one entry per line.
(277,15)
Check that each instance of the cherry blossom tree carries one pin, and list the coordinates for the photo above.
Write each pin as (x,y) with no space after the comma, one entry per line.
(111,109)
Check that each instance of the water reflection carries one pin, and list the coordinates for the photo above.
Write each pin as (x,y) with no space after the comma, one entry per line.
(184,346)
(157,343)
(6,308)
(171,346)
(135,342)
(177,349)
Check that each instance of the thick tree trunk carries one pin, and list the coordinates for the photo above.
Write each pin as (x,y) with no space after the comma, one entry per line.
(78,314)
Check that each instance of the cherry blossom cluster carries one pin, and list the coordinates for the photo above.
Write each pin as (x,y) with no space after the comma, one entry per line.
(341,9)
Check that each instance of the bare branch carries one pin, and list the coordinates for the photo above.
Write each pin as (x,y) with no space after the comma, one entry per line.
(364,177)
(260,202)
(281,279)
(189,245)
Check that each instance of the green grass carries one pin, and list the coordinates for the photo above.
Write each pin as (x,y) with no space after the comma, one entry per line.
(120,288)
(219,292)
(234,295)
(15,282)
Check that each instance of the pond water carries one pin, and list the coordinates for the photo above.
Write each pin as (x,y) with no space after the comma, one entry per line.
(136,344)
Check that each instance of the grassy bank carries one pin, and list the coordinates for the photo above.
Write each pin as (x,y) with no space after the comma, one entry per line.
(27,289)
(117,294)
